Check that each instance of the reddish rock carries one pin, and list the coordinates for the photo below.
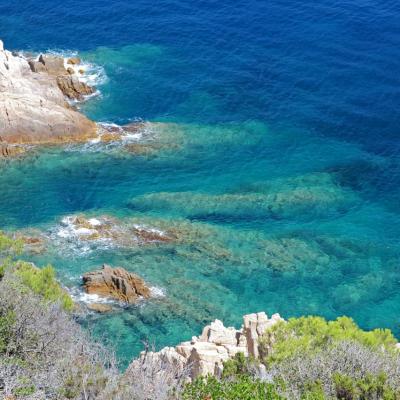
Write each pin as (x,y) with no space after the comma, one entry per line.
(73,88)
(116,283)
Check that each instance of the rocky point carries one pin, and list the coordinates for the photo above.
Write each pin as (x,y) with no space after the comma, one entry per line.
(33,106)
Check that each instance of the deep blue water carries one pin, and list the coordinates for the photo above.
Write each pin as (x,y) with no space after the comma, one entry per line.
(285,156)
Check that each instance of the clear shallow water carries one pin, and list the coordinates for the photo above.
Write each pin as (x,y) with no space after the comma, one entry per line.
(279,162)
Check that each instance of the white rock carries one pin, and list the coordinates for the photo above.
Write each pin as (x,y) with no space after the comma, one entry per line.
(217,333)
(206,354)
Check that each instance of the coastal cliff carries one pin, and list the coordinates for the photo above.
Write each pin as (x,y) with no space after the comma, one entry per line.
(33,107)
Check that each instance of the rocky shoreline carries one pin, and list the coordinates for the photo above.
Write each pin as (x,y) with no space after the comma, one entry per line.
(38,97)
(33,103)
(205,354)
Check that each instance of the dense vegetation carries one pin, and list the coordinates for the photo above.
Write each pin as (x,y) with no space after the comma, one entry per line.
(309,358)
(42,281)
(310,335)
(245,388)
(44,354)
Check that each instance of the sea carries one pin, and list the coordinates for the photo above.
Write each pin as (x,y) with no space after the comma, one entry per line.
(276,159)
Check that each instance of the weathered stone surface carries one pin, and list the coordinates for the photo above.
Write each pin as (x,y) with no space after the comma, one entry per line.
(164,360)
(33,109)
(54,65)
(218,334)
(253,326)
(206,354)
(116,283)
(73,88)
(37,66)
(74,61)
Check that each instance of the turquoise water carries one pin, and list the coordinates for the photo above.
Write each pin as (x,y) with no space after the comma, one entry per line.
(277,166)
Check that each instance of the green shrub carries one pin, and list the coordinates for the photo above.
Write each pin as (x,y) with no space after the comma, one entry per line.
(239,365)
(9,249)
(307,335)
(313,391)
(369,387)
(243,388)
(7,320)
(25,388)
(42,281)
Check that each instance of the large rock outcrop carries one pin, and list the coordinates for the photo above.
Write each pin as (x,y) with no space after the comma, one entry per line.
(115,283)
(33,109)
(206,353)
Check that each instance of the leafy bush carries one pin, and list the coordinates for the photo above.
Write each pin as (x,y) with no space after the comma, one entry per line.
(7,320)
(306,335)
(43,282)
(243,387)
(240,365)
(9,249)
(313,391)
(369,387)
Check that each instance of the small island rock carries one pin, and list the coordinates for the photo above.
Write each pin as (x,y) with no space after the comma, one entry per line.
(115,283)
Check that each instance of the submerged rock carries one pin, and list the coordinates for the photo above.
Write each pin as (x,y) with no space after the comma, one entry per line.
(106,231)
(142,137)
(99,307)
(304,196)
(32,240)
(115,283)
(205,355)
(32,244)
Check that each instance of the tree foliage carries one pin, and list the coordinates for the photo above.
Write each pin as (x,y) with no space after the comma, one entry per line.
(243,387)
(42,281)
(9,249)
(306,335)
